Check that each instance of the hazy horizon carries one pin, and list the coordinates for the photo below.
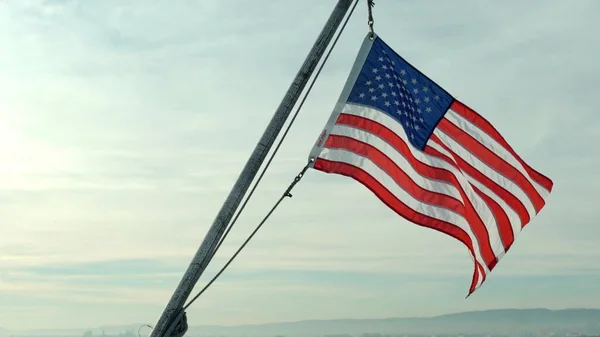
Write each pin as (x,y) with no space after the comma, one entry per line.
(491,321)
(123,125)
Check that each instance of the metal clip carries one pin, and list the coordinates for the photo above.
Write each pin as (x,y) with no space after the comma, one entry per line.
(370,5)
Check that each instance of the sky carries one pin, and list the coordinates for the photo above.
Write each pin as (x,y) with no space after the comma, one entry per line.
(123,125)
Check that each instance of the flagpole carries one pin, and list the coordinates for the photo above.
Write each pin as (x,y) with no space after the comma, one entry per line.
(172,314)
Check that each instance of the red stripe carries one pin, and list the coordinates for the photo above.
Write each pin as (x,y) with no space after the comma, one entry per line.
(398,143)
(502,221)
(491,159)
(400,177)
(478,120)
(467,210)
(462,165)
(400,208)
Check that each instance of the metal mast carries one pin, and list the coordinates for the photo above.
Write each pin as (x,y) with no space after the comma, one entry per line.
(172,322)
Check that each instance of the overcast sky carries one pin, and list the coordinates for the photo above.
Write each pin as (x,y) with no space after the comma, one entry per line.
(123,125)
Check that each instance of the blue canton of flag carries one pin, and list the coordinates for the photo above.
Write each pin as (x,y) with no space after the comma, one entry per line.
(390,84)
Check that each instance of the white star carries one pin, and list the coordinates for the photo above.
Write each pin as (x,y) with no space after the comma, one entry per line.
(425,89)
(381,86)
(387,103)
(390,84)
(405,82)
(396,102)
(384,67)
(368,83)
(373,98)
(362,95)
(419,110)
(437,98)
(416,91)
(417,101)
(375,70)
(426,99)
(371,89)
(378,78)
(412,136)
(394,93)
(402,72)
(388,75)
(414,81)
(384,95)
(417,127)
(380,59)
(421,120)
(428,109)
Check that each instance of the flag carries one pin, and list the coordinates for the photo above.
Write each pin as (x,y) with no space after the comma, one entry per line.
(429,157)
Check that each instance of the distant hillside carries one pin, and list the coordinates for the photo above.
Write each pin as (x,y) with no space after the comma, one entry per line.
(506,321)
(491,321)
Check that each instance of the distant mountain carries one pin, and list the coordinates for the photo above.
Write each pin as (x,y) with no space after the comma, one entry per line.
(505,321)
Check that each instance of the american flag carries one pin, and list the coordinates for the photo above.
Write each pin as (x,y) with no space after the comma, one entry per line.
(429,157)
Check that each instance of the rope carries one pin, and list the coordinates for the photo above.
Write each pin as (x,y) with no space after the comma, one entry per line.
(287,193)
(241,209)
(296,180)
(179,325)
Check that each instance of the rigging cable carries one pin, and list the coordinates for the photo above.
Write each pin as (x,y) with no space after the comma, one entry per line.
(179,323)
(287,193)
(235,218)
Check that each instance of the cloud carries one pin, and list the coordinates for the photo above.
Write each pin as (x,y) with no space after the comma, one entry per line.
(124,125)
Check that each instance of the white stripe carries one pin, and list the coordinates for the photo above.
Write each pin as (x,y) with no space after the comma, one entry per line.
(471,180)
(490,143)
(479,204)
(513,217)
(509,211)
(437,186)
(486,170)
(344,156)
(398,158)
